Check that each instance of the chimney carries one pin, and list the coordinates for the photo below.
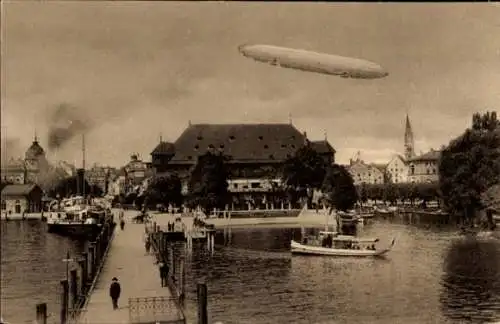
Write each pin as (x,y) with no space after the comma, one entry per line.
(306,140)
(80,182)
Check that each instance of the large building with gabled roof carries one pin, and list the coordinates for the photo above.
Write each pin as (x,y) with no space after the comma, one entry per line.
(255,152)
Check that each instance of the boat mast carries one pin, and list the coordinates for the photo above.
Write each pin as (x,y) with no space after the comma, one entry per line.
(83,165)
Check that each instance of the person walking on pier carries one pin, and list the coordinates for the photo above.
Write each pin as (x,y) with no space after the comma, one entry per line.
(163,273)
(147,244)
(114,292)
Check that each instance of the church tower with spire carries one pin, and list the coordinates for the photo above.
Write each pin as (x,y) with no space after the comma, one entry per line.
(409,140)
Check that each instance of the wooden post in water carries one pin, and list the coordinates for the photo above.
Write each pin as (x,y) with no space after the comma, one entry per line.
(182,281)
(202,304)
(84,265)
(41,313)
(93,261)
(74,287)
(64,301)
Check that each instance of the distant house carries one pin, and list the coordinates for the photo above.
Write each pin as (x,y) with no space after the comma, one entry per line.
(365,173)
(21,198)
(397,169)
(424,168)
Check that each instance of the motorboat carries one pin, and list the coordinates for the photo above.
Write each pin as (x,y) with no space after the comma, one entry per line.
(334,244)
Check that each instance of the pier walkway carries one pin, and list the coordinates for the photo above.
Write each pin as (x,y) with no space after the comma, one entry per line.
(139,278)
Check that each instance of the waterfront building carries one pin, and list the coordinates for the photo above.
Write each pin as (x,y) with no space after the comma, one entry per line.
(424,168)
(21,198)
(397,169)
(29,169)
(99,176)
(255,152)
(364,173)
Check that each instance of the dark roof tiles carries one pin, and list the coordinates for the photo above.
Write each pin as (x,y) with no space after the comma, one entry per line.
(241,142)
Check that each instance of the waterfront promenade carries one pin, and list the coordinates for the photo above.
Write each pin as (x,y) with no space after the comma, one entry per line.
(136,272)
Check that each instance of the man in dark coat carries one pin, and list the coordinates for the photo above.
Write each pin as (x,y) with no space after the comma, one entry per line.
(114,292)
(163,274)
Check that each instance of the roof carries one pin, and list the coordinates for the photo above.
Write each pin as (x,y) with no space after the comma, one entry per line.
(34,151)
(240,142)
(18,189)
(322,147)
(432,155)
(164,148)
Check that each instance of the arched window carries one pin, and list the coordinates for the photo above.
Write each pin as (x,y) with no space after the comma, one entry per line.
(412,169)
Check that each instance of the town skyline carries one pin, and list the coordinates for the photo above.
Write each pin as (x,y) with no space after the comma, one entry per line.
(138,70)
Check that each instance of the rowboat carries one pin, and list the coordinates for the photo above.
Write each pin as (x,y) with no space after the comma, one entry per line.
(341,245)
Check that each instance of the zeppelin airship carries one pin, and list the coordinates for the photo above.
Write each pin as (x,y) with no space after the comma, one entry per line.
(345,67)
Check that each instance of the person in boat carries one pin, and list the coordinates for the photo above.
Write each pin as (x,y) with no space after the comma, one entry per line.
(114,292)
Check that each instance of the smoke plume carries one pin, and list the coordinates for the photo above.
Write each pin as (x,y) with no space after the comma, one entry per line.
(65,122)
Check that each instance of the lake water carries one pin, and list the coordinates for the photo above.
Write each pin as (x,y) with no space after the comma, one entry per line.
(431,276)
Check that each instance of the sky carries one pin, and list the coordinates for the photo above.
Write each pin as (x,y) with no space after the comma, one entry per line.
(138,70)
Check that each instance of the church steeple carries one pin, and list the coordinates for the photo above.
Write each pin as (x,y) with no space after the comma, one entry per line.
(409,142)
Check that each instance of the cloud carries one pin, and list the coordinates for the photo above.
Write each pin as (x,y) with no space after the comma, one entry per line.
(138,69)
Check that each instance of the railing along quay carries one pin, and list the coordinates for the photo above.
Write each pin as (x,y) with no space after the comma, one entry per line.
(76,290)
(168,252)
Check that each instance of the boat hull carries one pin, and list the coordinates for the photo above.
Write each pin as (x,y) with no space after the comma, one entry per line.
(298,248)
(75,230)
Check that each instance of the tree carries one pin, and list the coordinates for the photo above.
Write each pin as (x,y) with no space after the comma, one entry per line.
(306,168)
(470,165)
(165,190)
(339,187)
(208,185)
(363,193)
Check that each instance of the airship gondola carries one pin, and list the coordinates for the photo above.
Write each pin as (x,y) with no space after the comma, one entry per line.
(310,61)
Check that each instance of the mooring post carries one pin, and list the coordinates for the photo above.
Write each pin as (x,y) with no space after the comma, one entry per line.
(84,265)
(74,287)
(41,313)
(202,303)
(93,261)
(182,281)
(64,301)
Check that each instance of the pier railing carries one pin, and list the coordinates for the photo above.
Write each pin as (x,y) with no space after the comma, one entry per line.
(155,310)
(77,288)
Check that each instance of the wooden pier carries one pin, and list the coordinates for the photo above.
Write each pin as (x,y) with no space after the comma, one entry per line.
(142,300)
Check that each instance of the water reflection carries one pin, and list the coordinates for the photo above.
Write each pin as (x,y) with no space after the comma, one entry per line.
(471,281)
(31,268)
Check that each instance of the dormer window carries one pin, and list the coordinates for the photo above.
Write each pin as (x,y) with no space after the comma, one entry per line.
(283,146)
(232,138)
(261,138)
(293,146)
(196,147)
(190,157)
(199,138)
(266,146)
(221,146)
(211,146)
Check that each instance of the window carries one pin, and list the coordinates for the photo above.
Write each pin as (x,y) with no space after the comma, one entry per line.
(199,138)
(211,146)
(434,171)
(271,157)
(190,157)
(292,146)
(4,205)
(232,138)
(196,147)
(18,207)
(235,185)
(255,185)
(261,138)
(283,145)
(412,169)
(428,171)
(221,146)
(266,146)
